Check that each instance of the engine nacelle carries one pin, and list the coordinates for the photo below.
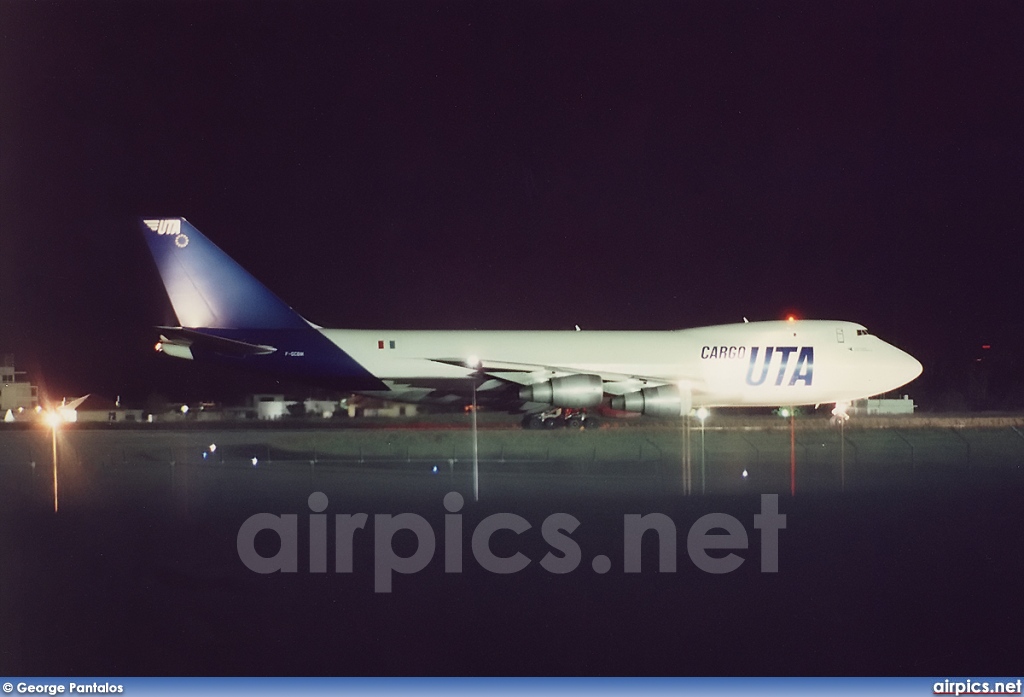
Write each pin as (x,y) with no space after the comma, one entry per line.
(573,391)
(664,400)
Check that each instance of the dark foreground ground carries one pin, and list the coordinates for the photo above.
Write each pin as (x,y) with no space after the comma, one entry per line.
(915,568)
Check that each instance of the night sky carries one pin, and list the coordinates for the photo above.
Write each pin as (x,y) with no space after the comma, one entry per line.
(515,165)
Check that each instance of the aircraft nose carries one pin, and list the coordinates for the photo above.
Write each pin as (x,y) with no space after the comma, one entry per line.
(904,366)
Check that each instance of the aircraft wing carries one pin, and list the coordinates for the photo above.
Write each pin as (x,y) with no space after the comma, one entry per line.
(505,374)
(529,373)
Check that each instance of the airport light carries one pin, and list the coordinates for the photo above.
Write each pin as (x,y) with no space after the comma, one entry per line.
(790,413)
(687,463)
(839,412)
(702,415)
(474,363)
(52,419)
(840,416)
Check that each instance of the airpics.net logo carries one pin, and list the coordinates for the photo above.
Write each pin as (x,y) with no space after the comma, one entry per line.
(714,531)
(169,226)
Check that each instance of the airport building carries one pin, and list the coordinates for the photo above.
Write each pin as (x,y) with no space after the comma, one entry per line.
(15,392)
(96,409)
(882,407)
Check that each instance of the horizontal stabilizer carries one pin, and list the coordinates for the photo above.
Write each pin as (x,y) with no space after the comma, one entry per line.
(216,344)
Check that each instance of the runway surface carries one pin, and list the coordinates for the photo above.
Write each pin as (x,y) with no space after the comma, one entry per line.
(904,558)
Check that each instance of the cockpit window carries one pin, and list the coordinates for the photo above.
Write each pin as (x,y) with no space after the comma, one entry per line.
(862,332)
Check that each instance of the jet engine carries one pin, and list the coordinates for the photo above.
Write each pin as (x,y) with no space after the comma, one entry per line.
(573,391)
(664,400)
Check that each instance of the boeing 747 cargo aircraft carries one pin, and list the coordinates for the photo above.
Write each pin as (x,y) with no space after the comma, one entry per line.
(228,317)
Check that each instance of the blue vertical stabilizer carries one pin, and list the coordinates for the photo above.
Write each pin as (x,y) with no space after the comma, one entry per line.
(230,318)
(208,288)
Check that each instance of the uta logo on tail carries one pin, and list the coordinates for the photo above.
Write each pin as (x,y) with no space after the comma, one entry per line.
(169,226)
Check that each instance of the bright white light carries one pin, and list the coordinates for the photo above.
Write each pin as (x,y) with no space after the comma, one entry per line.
(839,415)
(184,408)
(52,419)
(703,413)
(213,447)
(473,362)
(435,469)
(784,413)
(255,461)
(744,474)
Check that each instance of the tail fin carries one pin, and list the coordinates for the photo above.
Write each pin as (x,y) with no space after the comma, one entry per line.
(229,317)
(208,288)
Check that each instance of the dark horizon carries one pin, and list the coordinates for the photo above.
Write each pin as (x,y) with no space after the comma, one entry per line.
(538,165)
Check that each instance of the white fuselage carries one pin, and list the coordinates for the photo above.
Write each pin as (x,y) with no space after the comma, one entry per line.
(749,364)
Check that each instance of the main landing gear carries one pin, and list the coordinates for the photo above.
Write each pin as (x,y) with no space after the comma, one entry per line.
(560,417)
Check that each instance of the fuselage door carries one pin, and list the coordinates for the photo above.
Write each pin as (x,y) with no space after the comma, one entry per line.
(839,336)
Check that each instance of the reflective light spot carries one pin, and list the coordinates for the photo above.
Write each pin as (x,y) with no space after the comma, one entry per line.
(52,419)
